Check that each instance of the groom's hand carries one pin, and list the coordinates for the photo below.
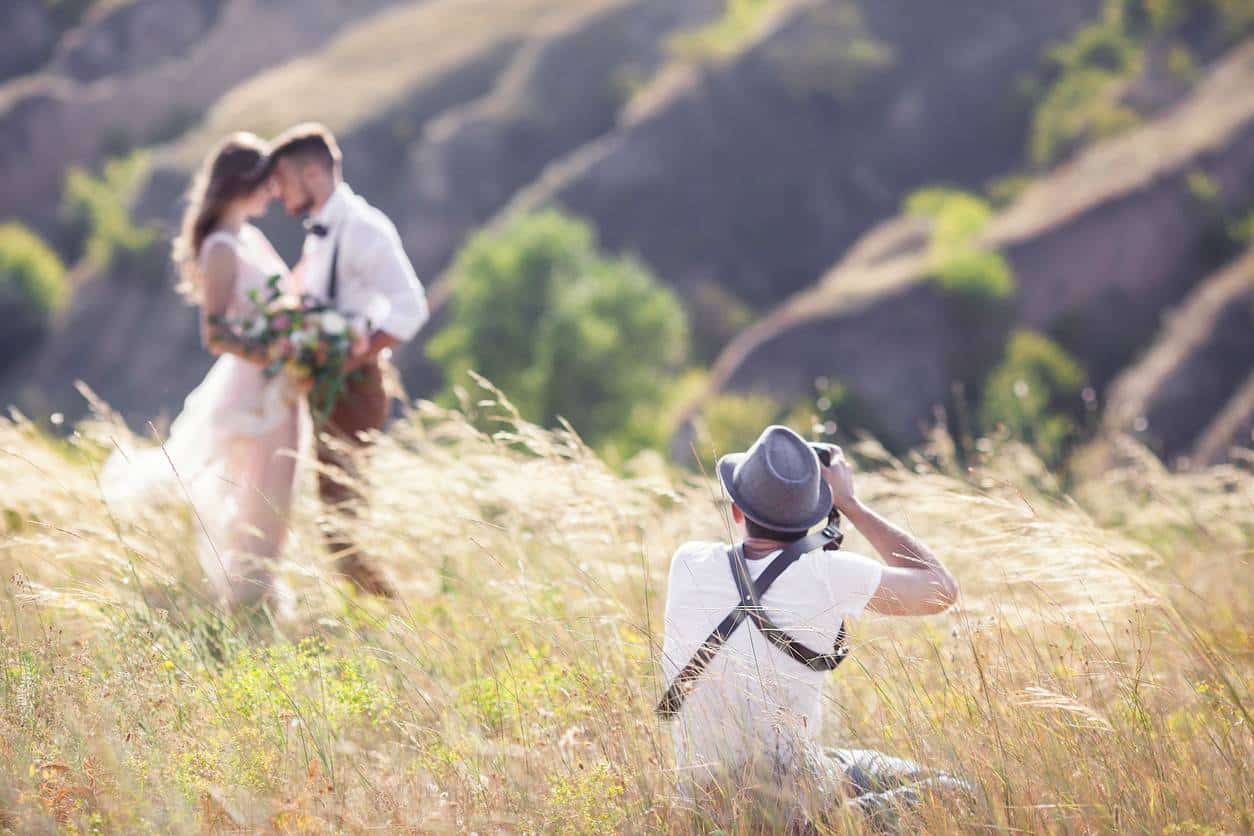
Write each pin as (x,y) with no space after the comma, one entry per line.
(379,342)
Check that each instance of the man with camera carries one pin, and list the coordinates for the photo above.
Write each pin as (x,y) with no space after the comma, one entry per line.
(752,629)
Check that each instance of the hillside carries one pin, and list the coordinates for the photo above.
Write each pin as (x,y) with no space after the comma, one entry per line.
(139,73)
(1098,250)
(879,99)
(1194,372)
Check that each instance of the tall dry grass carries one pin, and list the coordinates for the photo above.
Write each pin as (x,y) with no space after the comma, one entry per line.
(1096,677)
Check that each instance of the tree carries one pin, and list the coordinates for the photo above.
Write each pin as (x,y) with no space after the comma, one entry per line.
(564,330)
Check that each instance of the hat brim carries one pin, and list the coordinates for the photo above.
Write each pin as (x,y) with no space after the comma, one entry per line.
(726,470)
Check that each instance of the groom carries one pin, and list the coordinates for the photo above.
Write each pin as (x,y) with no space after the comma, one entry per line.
(353,259)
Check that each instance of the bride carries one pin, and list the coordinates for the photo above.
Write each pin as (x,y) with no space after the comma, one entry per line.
(234,449)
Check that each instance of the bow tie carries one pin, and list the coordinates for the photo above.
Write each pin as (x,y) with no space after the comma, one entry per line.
(316,229)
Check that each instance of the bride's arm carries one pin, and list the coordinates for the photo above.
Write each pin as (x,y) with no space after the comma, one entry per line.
(218,285)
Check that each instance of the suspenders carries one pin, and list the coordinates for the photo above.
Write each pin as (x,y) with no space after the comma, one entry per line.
(333,283)
(750,607)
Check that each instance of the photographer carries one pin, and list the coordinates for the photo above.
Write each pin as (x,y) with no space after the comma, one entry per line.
(752,629)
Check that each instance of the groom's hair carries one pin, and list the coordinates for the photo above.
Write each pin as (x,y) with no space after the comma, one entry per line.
(308,141)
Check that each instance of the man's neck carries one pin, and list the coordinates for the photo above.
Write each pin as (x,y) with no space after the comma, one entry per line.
(321,202)
(757,548)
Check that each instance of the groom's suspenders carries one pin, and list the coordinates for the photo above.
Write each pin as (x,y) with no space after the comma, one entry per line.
(333,283)
(750,607)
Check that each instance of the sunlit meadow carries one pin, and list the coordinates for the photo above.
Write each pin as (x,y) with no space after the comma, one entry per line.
(1095,677)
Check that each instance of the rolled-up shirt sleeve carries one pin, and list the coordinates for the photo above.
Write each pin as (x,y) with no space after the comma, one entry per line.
(380,256)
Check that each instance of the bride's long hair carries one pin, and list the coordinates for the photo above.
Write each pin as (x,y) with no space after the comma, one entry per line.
(238,165)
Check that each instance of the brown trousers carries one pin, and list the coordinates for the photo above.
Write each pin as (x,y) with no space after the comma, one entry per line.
(361,408)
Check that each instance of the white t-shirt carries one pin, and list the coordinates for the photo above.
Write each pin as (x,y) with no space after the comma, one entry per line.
(753,703)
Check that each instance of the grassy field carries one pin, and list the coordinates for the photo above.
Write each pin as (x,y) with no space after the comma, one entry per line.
(1096,676)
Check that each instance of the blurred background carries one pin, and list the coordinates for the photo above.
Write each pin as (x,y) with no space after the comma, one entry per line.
(674,221)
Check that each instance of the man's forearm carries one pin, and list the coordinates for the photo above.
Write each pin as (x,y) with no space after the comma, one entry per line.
(897,546)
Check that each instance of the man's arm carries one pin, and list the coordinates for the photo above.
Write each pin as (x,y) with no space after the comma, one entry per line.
(914,582)
(383,260)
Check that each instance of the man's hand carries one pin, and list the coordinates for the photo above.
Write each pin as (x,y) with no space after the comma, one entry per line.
(839,478)
(379,342)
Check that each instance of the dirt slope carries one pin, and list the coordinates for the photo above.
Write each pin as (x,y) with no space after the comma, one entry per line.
(142,73)
(1099,249)
(757,172)
(1195,368)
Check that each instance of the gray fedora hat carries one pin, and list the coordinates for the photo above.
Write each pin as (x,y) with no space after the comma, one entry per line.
(778,482)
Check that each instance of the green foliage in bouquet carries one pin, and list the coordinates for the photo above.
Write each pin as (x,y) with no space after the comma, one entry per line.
(565,330)
(301,337)
(30,270)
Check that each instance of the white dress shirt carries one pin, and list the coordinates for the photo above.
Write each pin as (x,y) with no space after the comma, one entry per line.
(375,279)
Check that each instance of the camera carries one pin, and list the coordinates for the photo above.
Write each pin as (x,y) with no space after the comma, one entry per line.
(824,452)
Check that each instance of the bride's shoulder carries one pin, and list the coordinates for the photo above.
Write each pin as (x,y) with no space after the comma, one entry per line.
(219,241)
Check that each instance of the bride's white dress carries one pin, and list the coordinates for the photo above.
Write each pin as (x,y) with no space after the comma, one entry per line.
(233,451)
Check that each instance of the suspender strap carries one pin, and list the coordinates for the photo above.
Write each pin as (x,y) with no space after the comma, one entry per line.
(750,607)
(751,593)
(333,284)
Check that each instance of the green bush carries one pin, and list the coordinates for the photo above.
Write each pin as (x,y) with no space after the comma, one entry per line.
(981,281)
(958,217)
(725,35)
(1080,99)
(980,278)
(564,330)
(834,56)
(98,210)
(1081,107)
(1034,393)
(30,270)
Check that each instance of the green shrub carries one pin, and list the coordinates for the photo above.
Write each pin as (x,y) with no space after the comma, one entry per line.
(562,329)
(979,280)
(958,217)
(30,270)
(834,56)
(1004,191)
(98,210)
(1033,393)
(722,37)
(1081,107)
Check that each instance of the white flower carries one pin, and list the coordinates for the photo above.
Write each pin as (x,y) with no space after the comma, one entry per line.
(334,324)
(254,328)
(304,337)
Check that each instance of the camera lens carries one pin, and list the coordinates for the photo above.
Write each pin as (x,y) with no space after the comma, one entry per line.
(824,453)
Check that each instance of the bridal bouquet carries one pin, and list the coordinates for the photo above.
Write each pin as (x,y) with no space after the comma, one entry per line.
(304,338)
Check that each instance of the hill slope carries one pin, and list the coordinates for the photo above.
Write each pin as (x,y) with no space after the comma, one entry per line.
(756,172)
(1099,248)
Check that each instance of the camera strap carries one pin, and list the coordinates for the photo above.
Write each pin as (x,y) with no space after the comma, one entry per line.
(750,607)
